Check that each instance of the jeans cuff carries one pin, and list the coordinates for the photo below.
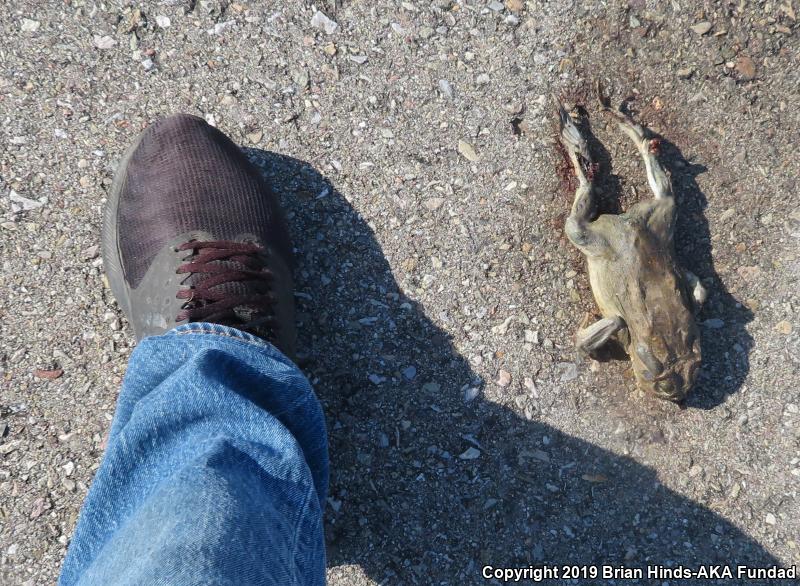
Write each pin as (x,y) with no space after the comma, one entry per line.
(227,332)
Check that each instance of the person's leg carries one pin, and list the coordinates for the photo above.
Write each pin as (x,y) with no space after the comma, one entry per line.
(216,466)
(215,471)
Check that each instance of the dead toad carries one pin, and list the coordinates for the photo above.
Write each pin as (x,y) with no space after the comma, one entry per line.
(646,300)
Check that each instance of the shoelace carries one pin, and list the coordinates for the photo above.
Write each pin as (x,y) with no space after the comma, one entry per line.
(217,263)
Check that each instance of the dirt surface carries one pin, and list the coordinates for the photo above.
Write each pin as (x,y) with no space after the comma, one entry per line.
(437,296)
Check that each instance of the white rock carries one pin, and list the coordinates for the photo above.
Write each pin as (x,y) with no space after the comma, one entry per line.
(503,327)
(104,42)
(221,27)
(25,203)
(467,151)
(504,378)
(434,203)
(163,21)
(30,26)
(322,22)
(445,89)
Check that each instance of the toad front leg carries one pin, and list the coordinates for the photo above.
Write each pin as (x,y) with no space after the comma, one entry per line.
(594,337)
(699,293)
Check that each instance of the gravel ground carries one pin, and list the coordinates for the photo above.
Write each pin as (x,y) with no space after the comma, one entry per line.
(437,296)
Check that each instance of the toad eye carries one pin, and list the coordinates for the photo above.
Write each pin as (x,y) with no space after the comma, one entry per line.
(651,362)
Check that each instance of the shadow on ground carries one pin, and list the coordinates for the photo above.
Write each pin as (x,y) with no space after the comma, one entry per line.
(406,502)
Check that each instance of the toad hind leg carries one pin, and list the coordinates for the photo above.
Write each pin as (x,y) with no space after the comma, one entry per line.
(578,224)
(648,148)
(592,338)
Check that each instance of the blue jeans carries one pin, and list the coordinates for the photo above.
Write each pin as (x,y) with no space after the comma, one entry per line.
(215,473)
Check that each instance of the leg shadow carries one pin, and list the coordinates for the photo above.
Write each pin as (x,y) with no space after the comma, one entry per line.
(427,488)
(607,185)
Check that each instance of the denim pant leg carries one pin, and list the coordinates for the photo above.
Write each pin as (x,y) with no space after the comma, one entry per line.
(215,473)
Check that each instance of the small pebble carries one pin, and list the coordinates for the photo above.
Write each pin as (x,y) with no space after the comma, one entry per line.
(746,67)
(221,27)
(25,203)
(445,89)
(504,378)
(30,26)
(729,213)
(470,454)
(569,371)
(433,203)
(321,21)
(467,151)
(531,337)
(749,273)
(431,387)
(470,394)
(104,42)
(48,374)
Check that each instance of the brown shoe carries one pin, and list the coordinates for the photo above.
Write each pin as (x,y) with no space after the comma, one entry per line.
(193,233)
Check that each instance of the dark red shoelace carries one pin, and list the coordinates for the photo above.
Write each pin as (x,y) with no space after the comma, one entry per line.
(212,296)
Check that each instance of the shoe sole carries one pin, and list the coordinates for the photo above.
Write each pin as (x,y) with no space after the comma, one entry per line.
(109,241)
